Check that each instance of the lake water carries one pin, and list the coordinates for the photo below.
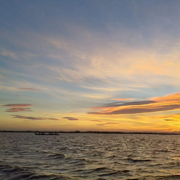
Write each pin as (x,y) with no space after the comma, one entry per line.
(25,156)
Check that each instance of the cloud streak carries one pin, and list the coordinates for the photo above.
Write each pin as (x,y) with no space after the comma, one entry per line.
(70,118)
(104,124)
(28,89)
(169,119)
(8,54)
(123,99)
(18,107)
(96,120)
(118,104)
(34,118)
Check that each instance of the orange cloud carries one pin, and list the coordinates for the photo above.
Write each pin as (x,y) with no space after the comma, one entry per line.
(165,103)
(168,98)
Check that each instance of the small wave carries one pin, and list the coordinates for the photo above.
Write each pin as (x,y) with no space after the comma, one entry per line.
(11,169)
(19,173)
(79,161)
(57,156)
(48,177)
(138,160)
(168,177)
(24,175)
(171,177)
(112,157)
(100,169)
(114,173)
(163,150)
(16,172)
(64,148)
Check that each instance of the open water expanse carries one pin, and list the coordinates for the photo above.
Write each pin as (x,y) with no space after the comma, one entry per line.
(25,156)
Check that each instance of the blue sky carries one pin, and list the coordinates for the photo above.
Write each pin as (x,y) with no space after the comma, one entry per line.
(72,58)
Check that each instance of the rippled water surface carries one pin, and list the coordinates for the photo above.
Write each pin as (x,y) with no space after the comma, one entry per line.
(89,156)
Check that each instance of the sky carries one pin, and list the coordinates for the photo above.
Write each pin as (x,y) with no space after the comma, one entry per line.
(98,65)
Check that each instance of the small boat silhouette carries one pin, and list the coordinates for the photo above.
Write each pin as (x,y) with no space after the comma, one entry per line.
(46,133)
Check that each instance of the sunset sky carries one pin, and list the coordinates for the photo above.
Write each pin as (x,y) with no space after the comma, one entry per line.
(98,65)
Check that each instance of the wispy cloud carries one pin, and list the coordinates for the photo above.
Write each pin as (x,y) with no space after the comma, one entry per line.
(18,107)
(169,119)
(165,103)
(95,120)
(123,99)
(34,118)
(93,61)
(17,95)
(8,53)
(118,104)
(70,118)
(104,124)
(28,89)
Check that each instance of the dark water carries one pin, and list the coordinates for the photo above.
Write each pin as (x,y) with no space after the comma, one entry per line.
(89,156)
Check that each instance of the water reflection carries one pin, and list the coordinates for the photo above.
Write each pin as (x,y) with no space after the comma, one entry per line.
(89,156)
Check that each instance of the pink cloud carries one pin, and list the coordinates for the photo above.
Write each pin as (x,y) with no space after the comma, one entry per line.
(18,107)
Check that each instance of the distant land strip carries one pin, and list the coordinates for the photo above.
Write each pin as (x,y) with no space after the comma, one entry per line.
(95,132)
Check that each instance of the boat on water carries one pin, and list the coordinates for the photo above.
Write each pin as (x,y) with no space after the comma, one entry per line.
(46,133)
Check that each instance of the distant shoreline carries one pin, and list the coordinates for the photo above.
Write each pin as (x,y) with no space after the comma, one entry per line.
(96,132)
